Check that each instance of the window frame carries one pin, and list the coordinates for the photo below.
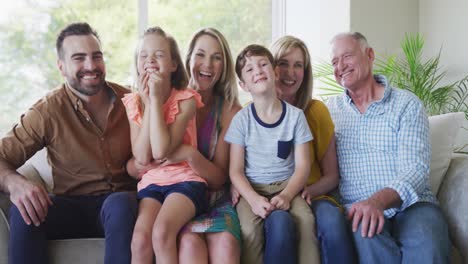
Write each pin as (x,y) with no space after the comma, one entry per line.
(278,18)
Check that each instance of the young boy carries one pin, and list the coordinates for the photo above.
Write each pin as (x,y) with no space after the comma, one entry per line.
(269,166)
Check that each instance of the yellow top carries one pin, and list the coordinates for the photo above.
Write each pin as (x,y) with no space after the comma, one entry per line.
(322,128)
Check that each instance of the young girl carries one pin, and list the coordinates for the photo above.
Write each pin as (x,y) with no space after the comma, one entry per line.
(162,117)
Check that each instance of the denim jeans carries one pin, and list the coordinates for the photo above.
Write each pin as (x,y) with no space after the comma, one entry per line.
(280,238)
(253,227)
(110,215)
(419,234)
(333,233)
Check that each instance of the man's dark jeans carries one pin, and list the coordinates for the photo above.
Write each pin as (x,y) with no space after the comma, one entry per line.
(109,215)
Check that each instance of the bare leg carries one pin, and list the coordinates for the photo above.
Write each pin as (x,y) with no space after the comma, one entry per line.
(223,247)
(142,249)
(176,211)
(192,248)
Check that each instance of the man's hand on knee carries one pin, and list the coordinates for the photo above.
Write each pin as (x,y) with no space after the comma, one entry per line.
(368,213)
(31,200)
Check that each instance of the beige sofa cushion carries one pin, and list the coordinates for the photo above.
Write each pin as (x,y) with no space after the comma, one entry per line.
(41,165)
(443,130)
(453,201)
(4,234)
(76,251)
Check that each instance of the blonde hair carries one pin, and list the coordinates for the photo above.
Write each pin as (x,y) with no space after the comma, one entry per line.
(279,49)
(179,79)
(226,85)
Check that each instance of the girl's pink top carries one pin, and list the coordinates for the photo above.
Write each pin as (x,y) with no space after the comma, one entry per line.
(174,173)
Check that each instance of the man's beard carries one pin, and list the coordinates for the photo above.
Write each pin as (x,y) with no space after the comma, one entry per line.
(84,89)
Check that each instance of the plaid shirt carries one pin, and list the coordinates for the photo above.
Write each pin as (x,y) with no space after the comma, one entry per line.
(385,147)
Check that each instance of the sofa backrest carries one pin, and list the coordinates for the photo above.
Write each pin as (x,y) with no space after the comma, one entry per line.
(443,130)
(41,165)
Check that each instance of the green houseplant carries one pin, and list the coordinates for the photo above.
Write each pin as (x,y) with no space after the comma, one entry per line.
(413,73)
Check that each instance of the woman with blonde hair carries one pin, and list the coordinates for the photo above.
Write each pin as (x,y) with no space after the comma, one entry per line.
(215,236)
(295,83)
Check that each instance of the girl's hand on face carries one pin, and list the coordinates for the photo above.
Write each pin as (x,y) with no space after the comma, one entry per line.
(155,82)
(143,87)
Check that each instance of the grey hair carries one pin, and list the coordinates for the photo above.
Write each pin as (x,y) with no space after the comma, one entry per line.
(354,35)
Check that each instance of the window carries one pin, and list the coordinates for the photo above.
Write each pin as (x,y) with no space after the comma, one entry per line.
(28,29)
(27,47)
(233,18)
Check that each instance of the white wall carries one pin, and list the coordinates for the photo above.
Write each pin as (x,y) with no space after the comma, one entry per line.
(444,24)
(316,22)
(303,22)
(384,22)
(334,19)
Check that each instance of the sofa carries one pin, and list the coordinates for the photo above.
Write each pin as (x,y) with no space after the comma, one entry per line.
(449,181)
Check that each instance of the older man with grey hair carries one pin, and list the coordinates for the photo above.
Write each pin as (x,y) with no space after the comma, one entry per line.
(384,154)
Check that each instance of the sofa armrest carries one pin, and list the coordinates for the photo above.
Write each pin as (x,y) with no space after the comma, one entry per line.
(454,203)
(5,203)
(4,227)
(29,171)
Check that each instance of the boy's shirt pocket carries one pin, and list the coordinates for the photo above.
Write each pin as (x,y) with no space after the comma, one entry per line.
(284,148)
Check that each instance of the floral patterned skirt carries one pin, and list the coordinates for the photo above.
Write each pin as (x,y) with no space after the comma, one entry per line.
(221,216)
